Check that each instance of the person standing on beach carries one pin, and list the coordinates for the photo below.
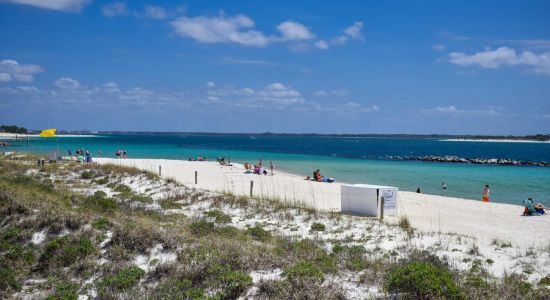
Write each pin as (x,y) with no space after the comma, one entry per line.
(486,193)
(124,153)
(271,167)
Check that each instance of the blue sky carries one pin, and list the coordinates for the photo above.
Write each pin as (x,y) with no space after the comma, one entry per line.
(479,67)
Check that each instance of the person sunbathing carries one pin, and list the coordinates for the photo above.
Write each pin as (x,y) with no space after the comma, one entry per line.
(317,176)
(533,209)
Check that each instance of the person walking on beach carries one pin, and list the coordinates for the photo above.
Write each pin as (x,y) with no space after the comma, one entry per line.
(486,193)
(271,167)
(124,153)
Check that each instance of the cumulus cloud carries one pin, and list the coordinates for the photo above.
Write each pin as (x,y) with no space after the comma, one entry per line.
(503,56)
(11,69)
(452,110)
(114,9)
(357,107)
(275,95)
(351,33)
(111,87)
(59,5)
(240,29)
(67,83)
(155,12)
(338,93)
(5,77)
(220,29)
(447,109)
(293,31)
(321,44)
(66,92)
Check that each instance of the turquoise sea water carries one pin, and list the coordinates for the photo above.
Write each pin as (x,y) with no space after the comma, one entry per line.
(348,159)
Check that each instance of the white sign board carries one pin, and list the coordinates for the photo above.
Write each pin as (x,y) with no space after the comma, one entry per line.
(366,199)
(390,201)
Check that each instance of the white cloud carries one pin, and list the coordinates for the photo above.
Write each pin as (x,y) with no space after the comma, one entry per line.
(240,29)
(220,29)
(5,77)
(155,12)
(503,56)
(111,87)
(452,110)
(67,83)
(19,72)
(321,44)
(59,5)
(447,109)
(439,47)
(210,84)
(293,31)
(273,96)
(353,32)
(114,9)
(357,107)
(338,93)
(240,61)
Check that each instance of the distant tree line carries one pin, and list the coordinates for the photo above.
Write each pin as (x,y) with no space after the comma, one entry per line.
(13,129)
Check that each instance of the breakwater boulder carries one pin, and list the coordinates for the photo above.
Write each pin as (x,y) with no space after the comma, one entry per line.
(482,161)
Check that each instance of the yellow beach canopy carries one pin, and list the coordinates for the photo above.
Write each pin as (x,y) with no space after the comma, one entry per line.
(48,132)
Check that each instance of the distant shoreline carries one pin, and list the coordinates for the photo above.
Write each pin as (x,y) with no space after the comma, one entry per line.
(493,140)
(13,136)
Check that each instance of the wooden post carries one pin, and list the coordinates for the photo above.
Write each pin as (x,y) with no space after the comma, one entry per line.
(382,208)
(160,171)
(196,177)
(251,187)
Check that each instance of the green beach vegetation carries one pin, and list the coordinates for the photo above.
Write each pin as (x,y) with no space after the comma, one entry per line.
(13,129)
(72,229)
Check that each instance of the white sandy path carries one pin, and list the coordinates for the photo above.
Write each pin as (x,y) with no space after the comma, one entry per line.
(431,213)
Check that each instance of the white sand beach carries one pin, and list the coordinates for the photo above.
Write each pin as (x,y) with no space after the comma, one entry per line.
(430,213)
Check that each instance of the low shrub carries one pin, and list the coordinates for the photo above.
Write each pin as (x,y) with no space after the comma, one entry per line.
(122,188)
(169,203)
(175,288)
(202,228)
(64,252)
(258,233)
(318,227)
(234,283)
(142,199)
(8,282)
(219,216)
(101,224)
(64,291)
(304,270)
(99,201)
(102,181)
(422,280)
(124,279)
(87,175)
